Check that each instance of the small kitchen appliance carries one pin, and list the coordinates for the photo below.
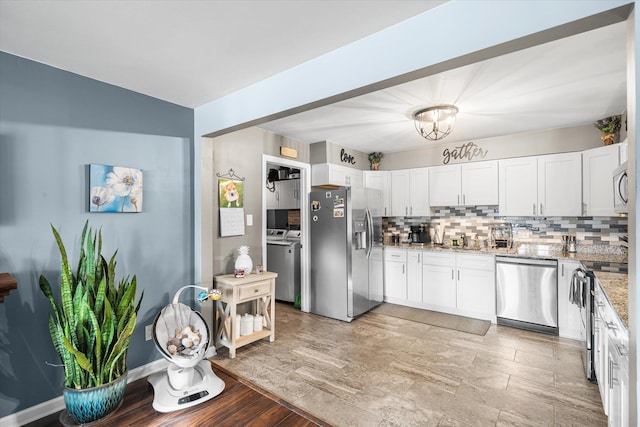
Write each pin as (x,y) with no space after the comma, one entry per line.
(189,380)
(420,235)
(620,189)
(501,235)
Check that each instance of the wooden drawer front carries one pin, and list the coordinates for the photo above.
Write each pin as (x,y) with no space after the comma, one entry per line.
(446,259)
(477,262)
(397,255)
(254,290)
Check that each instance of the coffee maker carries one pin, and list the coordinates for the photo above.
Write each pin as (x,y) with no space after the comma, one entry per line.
(420,234)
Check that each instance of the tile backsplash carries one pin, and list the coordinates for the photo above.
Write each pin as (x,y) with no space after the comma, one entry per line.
(472,221)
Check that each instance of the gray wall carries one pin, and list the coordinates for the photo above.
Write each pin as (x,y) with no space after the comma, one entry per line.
(52,125)
(241,151)
(525,144)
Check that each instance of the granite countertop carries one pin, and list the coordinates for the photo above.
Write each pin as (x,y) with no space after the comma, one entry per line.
(616,286)
(526,250)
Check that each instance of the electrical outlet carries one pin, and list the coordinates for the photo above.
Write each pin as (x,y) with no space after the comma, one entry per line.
(148,331)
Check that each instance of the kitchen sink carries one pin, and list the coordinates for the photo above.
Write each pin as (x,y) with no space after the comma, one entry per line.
(535,249)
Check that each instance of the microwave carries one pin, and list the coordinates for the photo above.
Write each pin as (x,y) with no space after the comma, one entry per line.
(620,188)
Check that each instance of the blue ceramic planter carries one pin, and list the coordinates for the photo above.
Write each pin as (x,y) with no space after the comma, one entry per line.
(91,404)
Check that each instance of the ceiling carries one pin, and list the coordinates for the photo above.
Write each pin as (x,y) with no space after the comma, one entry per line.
(193,52)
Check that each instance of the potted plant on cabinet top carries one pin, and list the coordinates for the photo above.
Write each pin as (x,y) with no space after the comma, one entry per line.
(374,159)
(90,328)
(610,128)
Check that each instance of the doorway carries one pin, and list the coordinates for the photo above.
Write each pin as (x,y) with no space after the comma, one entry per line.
(301,222)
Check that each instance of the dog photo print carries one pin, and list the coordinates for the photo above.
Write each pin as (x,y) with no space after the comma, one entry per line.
(231,193)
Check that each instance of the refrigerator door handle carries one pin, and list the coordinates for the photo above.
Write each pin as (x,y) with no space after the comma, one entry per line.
(369,232)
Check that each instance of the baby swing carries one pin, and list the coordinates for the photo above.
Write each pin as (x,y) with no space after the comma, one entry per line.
(182,337)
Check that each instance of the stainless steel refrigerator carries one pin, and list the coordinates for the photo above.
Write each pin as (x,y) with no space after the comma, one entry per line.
(345,248)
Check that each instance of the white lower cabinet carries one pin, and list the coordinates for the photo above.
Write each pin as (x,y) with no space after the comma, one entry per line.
(414,276)
(439,286)
(462,284)
(618,365)
(601,347)
(476,292)
(569,320)
(395,275)
(455,283)
(376,274)
(611,360)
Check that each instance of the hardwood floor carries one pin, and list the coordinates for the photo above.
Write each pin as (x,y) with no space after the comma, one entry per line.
(240,404)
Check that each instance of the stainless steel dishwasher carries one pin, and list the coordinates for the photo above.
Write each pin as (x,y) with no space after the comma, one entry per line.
(527,293)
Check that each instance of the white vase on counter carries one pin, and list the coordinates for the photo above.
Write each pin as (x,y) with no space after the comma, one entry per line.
(244,262)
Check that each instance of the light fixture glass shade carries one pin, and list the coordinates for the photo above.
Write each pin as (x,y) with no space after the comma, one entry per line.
(435,123)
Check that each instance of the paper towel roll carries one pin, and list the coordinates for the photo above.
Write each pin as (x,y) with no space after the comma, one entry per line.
(236,326)
(246,325)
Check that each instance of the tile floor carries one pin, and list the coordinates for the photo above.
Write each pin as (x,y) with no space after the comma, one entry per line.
(385,371)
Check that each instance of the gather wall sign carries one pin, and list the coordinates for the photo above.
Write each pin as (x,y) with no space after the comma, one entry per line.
(467,151)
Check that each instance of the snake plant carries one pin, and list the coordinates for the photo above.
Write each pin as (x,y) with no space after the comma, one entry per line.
(91,325)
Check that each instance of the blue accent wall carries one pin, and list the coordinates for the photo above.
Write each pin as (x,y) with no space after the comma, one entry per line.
(53,124)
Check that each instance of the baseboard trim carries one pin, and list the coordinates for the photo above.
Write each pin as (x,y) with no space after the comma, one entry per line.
(52,406)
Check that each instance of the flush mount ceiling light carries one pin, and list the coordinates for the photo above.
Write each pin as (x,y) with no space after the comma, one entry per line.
(434,123)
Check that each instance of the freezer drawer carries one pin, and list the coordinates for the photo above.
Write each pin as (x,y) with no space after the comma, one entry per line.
(527,293)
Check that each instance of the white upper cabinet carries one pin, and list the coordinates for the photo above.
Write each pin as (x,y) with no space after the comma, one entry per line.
(409,192)
(419,196)
(624,148)
(468,184)
(380,180)
(597,190)
(445,183)
(544,185)
(288,194)
(518,186)
(330,174)
(400,192)
(560,185)
(285,196)
(480,183)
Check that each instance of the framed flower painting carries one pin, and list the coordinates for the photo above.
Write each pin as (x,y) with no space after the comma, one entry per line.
(115,189)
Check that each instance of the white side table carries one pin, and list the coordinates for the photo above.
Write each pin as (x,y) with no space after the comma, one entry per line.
(256,288)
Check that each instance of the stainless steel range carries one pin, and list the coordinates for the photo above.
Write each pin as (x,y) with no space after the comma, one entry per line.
(581,294)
